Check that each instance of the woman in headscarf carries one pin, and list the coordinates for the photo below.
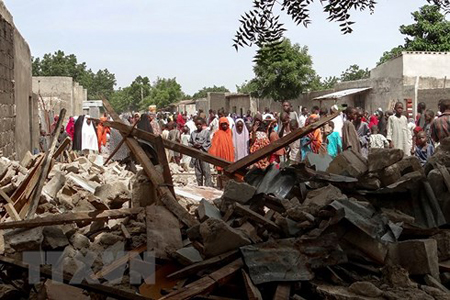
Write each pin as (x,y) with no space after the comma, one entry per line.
(89,137)
(77,133)
(222,142)
(70,128)
(241,138)
(273,136)
(115,140)
(102,132)
(313,141)
(259,141)
(144,123)
(180,121)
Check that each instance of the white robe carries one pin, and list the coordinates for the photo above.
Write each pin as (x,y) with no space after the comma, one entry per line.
(399,133)
(88,136)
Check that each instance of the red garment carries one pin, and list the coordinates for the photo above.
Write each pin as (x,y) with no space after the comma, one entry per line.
(222,143)
(70,128)
(316,140)
(373,121)
(180,121)
(53,126)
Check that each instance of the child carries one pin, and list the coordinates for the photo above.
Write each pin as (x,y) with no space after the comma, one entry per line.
(376,139)
(174,136)
(363,131)
(424,150)
(334,142)
(429,117)
(241,138)
(200,140)
(350,139)
(185,136)
(398,133)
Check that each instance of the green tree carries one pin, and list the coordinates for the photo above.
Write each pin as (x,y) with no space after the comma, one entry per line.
(430,32)
(164,92)
(203,93)
(283,72)
(248,87)
(355,73)
(59,64)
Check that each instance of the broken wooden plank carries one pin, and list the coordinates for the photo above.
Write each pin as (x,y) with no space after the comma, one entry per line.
(155,177)
(48,272)
(45,167)
(62,147)
(75,217)
(247,212)
(213,261)
(162,157)
(276,145)
(283,291)
(252,291)
(10,207)
(125,232)
(185,150)
(207,283)
(119,262)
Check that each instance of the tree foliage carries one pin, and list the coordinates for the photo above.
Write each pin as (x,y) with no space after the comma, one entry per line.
(261,25)
(164,92)
(355,73)
(285,75)
(203,93)
(429,32)
(97,83)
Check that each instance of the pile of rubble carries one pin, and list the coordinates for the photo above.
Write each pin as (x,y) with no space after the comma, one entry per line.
(365,229)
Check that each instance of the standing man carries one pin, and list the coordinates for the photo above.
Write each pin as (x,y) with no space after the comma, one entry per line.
(440,127)
(398,133)
(287,107)
(303,117)
(200,140)
(420,118)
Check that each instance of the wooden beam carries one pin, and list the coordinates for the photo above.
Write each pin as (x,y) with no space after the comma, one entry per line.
(247,212)
(213,261)
(186,150)
(283,291)
(253,292)
(75,217)
(207,283)
(165,195)
(120,145)
(62,147)
(274,146)
(45,166)
(162,157)
(48,272)
(10,206)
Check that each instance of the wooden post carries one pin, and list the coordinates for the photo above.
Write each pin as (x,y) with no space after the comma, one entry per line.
(46,166)
(162,157)
(155,177)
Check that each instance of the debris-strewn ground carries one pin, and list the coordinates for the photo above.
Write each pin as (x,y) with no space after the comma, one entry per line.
(365,229)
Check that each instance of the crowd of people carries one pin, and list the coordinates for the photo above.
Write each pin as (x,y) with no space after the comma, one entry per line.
(233,137)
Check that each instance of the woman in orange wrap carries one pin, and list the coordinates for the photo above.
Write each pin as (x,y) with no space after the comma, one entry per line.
(102,131)
(222,145)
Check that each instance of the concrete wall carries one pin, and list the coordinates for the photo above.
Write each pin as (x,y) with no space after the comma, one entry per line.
(18,127)
(217,101)
(391,69)
(60,92)
(239,104)
(432,96)
(202,104)
(426,64)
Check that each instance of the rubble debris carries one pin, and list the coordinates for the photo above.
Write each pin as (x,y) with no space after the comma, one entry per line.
(348,163)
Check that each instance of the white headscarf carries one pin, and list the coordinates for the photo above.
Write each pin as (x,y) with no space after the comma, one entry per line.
(240,141)
(88,136)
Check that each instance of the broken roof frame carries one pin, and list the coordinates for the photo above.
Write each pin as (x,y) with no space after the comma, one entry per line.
(340,94)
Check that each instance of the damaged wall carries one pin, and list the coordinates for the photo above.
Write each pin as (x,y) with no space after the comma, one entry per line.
(18,133)
(60,92)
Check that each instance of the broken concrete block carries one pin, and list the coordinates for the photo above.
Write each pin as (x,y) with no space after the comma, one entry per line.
(348,163)
(238,192)
(24,239)
(79,241)
(143,192)
(409,164)
(57,291)
(369,182)
(52,187)
(431,281)
(54,238)
(115,194)
(443,244)
(163,232)
(365,288)
(27,160)
(73,167)
(108,239)
(214,232)
(418,257)
(324,196)
(389,175)
(206,210)
(188,256)
(381,158)
(8,176)
(82,160)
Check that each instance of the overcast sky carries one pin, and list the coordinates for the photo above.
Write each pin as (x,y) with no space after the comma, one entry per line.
(192,40)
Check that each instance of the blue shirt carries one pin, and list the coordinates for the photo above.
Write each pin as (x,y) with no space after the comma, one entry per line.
(424,153)
(334,144)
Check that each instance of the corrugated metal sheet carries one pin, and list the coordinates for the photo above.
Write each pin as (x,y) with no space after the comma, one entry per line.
(343,93)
